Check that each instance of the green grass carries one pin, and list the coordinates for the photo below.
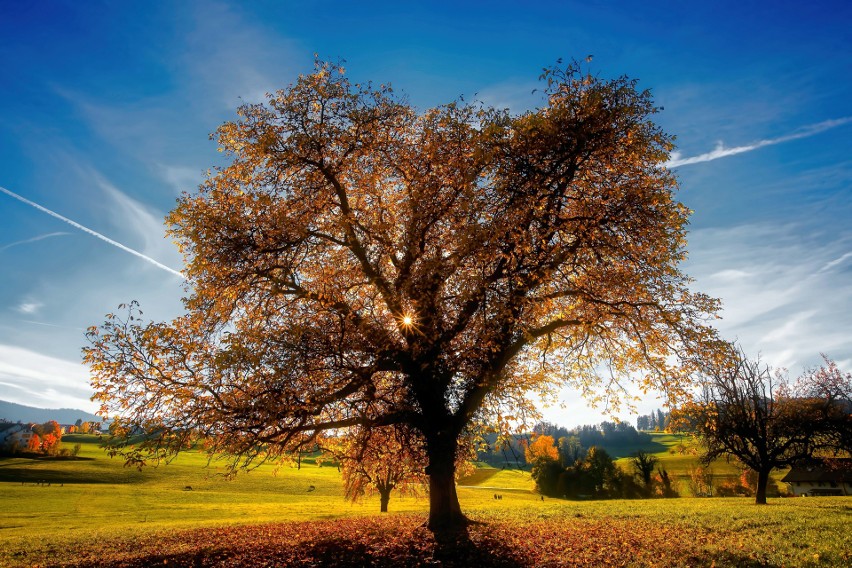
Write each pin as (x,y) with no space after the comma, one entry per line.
(678,453)
(95,500)
(100,493)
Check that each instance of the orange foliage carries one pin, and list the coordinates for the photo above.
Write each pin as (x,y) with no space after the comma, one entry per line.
(34,443)
(50,443)
(360,263)
(542,448)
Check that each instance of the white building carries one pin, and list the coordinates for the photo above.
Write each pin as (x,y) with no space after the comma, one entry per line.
(825,477)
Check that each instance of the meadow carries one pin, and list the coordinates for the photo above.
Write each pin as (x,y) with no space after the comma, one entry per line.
(93,511)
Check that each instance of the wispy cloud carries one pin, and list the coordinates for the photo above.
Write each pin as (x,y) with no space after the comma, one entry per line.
(722,152)
(127,213)
(181,178)
(777,299)
(29,307)
(91,232)
(27,377)
(33,240)
(835,262)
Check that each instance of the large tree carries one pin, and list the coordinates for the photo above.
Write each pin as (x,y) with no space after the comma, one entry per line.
(363,263)
(761,418)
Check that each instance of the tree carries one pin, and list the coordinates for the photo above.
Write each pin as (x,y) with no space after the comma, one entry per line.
(644,464)
(360,263)
(52,427)
(543,456)
(570,450)
(601,469)
(748,412)
(381,460)
(828,392)
(541,448)
(34,443)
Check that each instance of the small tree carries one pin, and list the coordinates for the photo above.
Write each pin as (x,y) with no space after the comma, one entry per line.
(701,481)
(543,456)
(643,465)
(381,460)
(664,483)
(541,448)
(50,444)
(570,450)
(827,391)
(600,468)
(34,443)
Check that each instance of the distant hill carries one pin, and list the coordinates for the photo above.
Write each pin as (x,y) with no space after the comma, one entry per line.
(20,413)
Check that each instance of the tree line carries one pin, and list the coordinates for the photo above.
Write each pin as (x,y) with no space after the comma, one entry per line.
(594,474)
(657,420)
(571,444)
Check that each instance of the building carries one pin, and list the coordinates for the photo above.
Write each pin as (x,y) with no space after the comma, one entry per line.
(15,435)
(824,477)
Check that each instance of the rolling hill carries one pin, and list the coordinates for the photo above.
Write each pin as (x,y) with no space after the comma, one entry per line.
(13,412)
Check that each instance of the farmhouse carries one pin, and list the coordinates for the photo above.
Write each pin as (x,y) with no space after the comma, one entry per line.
(824,477)
(14,435)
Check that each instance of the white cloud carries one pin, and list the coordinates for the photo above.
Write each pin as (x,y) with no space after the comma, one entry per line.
(777,299)
(34,379)
(836,262)
(237,59)
(517,97)
(181,178)
(722,152)
(29,307)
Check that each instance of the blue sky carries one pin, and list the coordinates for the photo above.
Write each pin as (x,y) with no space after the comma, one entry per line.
(106,107)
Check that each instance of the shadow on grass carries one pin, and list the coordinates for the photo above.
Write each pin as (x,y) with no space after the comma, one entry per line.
(450,551)
(48,470)
(457,549)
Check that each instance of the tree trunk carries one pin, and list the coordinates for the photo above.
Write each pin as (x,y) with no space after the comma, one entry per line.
(444,509)
(762,482)
(384,496)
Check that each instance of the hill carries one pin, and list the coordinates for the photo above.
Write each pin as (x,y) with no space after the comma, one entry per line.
(13,412)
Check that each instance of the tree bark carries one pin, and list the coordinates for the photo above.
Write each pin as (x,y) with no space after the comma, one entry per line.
(444,509)
(384,499)
(762,483)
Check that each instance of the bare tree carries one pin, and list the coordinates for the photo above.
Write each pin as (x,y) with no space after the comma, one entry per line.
(644,464)
(752,413)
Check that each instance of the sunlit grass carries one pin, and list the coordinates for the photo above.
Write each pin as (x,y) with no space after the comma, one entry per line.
(97,500)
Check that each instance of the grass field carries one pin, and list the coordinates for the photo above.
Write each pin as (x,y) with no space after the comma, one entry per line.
(65,512)
(677,454)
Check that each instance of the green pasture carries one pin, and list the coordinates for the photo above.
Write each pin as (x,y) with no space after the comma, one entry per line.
(68,503)
(95,496)
(677,454)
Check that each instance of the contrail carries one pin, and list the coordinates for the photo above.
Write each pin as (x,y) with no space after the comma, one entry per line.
(721,152)
(34,239)
(91,232)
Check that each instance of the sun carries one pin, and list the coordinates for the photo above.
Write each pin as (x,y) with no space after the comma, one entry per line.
(407,320)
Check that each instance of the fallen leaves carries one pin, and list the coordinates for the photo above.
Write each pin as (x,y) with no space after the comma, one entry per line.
(402,540)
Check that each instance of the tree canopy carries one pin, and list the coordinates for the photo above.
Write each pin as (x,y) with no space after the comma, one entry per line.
(361,263)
